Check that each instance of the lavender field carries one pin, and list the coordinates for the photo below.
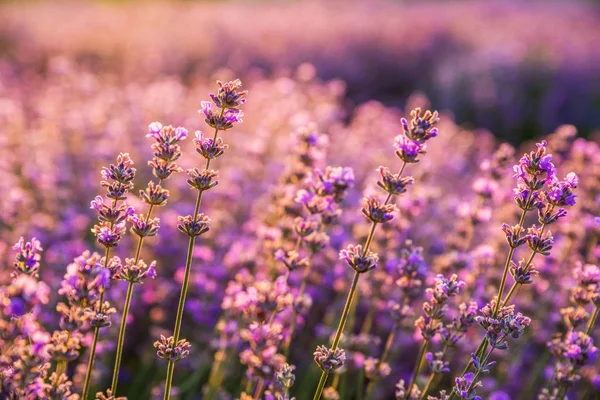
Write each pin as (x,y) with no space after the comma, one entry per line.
(284,200)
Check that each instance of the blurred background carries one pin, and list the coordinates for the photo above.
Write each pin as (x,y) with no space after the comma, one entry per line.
(518,68)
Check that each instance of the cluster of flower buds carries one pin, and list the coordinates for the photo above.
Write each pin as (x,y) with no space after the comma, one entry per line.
(131,271)
(166,149)
(168,350)
(435,308)
(118,180)
(358,259)
(27,260)
(506,323)
(412,142)
(328,359)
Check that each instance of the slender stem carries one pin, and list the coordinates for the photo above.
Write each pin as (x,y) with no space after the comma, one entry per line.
(342,324)
(386,352)
(259,389)
(182,297)
(249,387)
(428,386)
(420,356)
(88,374)
(321,386)
(340,330)
(86,385)
(336,381)
(592,321)
(185,284)
(121,340)
(509,258)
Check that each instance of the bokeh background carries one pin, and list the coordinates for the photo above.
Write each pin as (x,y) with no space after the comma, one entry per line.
(81,80)
(518,68)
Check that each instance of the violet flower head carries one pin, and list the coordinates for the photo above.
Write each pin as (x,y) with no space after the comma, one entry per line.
(135,273)
(314,204)
(229,96)
(27,260)
(394,184)
(118,178)
(408,150)
(194,226)
(22,296)
(99,317)
(328,359)
(465,387)
(64,345)
(144,226)
(220,118)
(376,370)
(378,212)
(535,169)
(560,193)
(208,147)
(166,149)
(154,195)
(109,236)
(202,180)
(422,125)
(168,350)
(353,255)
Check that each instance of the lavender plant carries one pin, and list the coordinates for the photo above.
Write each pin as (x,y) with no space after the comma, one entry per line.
(539,189)
(221,114)
(135,270)
(409,145)
(112,217)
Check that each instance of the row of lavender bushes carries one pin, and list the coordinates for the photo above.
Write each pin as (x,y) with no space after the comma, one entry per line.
(517,68)
(371,245)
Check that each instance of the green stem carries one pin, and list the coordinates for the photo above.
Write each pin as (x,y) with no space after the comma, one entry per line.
(338,333)
(321,386)
(592,321)
(509,258)
(413,379)
(182,297)
(428,386)
(123,327)
(121,340)
(90,367)
(259,389)
(88,374)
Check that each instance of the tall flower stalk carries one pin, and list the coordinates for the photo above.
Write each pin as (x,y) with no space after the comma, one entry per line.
(166,152)
(221,114)
(409,145)
(539,189)
(118,181)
